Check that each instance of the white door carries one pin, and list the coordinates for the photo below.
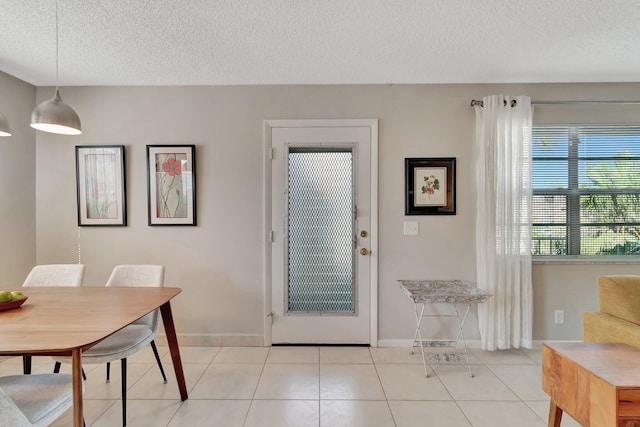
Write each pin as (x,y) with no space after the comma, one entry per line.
(321,258)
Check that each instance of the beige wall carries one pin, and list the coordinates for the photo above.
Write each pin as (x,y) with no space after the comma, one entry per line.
(219,262)
(17,182)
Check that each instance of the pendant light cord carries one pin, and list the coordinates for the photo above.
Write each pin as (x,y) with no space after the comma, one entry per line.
(57,54)
(79,246)
(54,115)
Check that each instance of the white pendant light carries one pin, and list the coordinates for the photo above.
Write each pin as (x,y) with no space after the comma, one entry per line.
(54,115)
(5,130)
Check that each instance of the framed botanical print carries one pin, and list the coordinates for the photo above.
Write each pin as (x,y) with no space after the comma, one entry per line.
(430,186)
(171,184)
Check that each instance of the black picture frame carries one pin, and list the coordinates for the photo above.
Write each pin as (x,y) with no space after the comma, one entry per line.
(430,186)
(171,185)
(101,185)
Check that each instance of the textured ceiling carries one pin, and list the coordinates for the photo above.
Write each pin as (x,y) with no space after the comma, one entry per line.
(233,42)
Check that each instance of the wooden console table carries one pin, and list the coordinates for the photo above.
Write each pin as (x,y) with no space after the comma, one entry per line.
(598,384)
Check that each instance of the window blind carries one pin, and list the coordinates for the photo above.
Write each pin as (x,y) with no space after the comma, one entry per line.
(586,190)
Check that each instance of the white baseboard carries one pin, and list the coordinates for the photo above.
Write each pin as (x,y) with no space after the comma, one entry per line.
(407,343)
(215,340)
(538,343)
(247,340)
(475,344)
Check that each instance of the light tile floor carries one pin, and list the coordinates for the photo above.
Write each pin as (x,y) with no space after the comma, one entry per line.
(315,387)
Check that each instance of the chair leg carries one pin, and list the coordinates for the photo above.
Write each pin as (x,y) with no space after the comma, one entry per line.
(124,391)
(155,353)
(108,371)
(26,365)
(56,370)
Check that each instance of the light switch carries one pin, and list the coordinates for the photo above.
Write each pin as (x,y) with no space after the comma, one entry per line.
(411,228)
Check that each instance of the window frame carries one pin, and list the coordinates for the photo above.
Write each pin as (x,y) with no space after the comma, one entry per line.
(573,192)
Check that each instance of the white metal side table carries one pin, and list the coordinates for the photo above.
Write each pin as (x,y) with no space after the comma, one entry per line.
(452,292)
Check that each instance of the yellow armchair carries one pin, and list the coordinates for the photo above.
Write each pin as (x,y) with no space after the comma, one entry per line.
(618,318)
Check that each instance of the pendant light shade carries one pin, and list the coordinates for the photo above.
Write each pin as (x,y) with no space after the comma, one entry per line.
(56,117)
(5,130)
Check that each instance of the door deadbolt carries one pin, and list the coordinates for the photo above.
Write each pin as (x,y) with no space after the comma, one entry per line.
(363,233)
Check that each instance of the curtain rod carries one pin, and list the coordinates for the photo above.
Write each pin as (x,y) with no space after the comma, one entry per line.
(475,102)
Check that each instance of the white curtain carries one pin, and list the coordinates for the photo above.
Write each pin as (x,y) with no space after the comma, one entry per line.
(503,220)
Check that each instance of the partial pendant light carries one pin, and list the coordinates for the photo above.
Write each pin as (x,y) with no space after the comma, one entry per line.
(54,115)
(5,130)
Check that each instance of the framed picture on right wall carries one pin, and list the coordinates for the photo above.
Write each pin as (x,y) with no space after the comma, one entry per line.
(430,186)
(171,184)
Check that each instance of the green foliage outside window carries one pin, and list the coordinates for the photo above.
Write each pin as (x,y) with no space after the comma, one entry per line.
(586,190)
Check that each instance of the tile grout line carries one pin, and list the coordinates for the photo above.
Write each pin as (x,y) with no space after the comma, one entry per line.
(194,385)
(509,388)
(264,364)
(319,391)
(386,398)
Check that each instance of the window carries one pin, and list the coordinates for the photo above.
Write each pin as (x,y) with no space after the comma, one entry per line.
(586,190)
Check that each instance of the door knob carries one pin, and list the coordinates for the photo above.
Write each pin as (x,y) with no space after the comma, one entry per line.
(365,251)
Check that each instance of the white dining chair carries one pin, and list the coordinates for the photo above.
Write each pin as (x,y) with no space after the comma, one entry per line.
(52,275)
(133,337)
(55,275)
(34,400)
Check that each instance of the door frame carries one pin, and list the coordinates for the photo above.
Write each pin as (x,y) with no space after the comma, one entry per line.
(372,124)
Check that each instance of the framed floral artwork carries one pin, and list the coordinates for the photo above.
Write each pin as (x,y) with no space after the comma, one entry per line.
(171,184)
(430,186)
(100,185)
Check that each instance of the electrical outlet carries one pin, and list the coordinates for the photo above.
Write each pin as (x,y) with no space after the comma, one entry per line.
(558,317)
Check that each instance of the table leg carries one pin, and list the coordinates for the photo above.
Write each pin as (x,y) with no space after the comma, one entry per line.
(417,337)
(76,374)
(555,414)
(460,335)
(418,315)
(26,365)
(172,340)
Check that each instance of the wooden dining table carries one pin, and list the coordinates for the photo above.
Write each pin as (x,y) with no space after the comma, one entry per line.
(56,321)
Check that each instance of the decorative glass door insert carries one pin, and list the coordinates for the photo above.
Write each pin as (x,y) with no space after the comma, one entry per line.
(320,216)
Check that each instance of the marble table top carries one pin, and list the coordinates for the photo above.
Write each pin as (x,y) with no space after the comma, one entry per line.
(451,291)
